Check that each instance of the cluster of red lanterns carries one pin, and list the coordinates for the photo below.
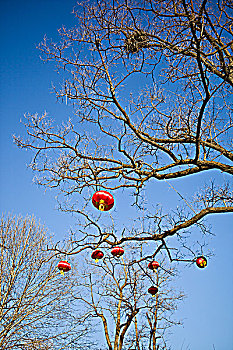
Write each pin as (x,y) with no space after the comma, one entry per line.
(153,265)
(118,252)
(98,254)
(104,201)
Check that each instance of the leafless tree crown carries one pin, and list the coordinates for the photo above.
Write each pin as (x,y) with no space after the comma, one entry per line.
(151,87)
(34,310)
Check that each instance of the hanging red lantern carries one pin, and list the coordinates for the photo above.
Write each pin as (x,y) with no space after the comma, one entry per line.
(103,200)
(97,254)
(153,290)
(64,266)
(153,265)
(117,251)
(201,262)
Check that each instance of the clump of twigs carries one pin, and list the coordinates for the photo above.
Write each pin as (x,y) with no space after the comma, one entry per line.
(136,41)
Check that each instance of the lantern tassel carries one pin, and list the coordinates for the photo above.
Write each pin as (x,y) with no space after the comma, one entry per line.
(101,205)
(62,272)
(96,260)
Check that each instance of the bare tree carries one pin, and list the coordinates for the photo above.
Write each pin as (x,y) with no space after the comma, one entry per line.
(35,312)
(150,84)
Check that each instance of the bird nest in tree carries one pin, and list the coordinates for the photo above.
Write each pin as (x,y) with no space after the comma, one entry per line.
(136,41)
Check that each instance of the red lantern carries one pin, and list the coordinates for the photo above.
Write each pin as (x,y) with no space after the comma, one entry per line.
(201,262)
(153,265)
(97,254)
(64,266)
(103,200)
(117,251)
(153,290)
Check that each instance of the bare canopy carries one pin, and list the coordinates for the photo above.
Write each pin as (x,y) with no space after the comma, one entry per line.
(151,86)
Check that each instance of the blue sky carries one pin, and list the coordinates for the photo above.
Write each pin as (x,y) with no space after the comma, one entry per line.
(26,88)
